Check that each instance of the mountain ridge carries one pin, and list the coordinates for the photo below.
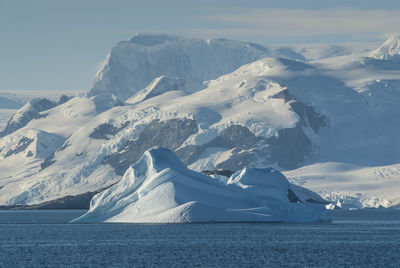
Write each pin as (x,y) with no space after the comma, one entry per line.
(273,111)
(191,59)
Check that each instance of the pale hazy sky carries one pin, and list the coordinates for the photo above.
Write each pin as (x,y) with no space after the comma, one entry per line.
(59,44)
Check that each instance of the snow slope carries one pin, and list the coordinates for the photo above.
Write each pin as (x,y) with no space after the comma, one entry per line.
(207,129)
(160,189)
(314,52)
(351,186)
(28,112)
(270,112)
(25,153)
(12,101)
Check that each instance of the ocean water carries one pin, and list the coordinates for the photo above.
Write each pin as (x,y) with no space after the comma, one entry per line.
(365,238)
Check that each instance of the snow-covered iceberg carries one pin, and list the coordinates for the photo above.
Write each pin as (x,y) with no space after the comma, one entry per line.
(160,189)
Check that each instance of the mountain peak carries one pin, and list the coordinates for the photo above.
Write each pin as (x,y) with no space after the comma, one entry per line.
(133,65)
(150,39)
(390,50)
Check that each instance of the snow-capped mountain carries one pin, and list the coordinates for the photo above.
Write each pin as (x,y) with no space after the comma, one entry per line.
(390,50)
(160,189)
(270,111)
(386,57)
(11,101)
(207,129)
(30,111)
(132,65)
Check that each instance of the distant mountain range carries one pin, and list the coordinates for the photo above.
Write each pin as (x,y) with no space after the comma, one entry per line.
(331,124)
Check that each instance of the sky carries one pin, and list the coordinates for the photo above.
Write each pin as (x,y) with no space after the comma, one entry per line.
(60,44)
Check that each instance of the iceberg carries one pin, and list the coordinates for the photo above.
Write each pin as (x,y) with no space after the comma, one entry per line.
(159,188)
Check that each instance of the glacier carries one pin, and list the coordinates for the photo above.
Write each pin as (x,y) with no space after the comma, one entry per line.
(240,106)
(160,189)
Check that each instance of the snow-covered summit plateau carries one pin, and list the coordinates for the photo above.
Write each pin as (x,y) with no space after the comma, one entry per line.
(216,104)
(160,189)
(132,65)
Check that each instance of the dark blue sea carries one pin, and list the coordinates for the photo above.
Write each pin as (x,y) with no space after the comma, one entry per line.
(363,238)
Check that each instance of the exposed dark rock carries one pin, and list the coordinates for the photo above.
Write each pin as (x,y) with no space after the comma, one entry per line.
(47,162)
(221,172)
(308,116)
(235,136)
(64,146)
(63,99)
(169,134)
(289,147)
(104,131)
(23,143)
(284,95)
(43,104)
(42,115)
(261,85)
(239,160)
(50,159)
